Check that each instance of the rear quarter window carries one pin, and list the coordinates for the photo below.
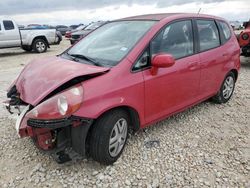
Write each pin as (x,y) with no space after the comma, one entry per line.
(8,25)
(208,34)
(225,31)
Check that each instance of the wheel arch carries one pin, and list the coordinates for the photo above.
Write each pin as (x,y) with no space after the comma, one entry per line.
(41,37)
(133,114)
(235,72)
(134,117)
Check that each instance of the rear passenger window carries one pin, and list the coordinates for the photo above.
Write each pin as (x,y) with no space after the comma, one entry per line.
(175,39)
(8,25)
(208,34)
(226,32)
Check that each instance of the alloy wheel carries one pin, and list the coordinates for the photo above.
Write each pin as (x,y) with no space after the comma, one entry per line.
(228,87)
(118,137)
(40,46)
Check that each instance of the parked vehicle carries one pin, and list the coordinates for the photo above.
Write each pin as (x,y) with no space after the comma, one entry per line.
(127,74)
(244,39)
(236,25)
(76,36)
(72,27)
(37,27)
(68,34)
(32,39)
(62,28)
(21,26)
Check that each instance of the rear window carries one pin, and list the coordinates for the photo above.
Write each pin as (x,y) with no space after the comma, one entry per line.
(8,25)
(208,34)
(226,32)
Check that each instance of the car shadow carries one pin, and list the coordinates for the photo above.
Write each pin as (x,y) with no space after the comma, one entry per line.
(179,118)
(245,65)
(245,62)
(19,53)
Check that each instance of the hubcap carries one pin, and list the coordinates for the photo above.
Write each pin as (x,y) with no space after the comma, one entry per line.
(228,87)
(40,46)
(118,137)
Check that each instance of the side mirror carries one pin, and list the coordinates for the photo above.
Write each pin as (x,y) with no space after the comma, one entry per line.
(161,61)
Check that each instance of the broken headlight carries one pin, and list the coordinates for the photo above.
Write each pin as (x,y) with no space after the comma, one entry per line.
(61,105)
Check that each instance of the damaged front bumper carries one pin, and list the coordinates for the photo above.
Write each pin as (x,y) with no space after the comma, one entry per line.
(58,136)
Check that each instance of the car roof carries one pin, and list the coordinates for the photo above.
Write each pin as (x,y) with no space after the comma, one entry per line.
(158,17)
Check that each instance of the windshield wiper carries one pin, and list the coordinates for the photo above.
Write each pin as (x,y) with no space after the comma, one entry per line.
(80,56)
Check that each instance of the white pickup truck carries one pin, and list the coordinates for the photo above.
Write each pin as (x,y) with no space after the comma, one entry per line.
(35,39)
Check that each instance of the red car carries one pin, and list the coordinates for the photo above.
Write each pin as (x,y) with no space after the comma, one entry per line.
(244,39)
(127,74)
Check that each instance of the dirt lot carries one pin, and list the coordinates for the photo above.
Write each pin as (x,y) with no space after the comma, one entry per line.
(205,146)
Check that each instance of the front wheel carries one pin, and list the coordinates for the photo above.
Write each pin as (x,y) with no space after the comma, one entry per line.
(226,90)
(40,46)
(109,136)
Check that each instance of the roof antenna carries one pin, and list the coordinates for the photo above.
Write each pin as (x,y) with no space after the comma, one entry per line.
(199,11)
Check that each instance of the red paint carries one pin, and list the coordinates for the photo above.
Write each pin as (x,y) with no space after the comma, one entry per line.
(244,42)
(154,94)
(42,76)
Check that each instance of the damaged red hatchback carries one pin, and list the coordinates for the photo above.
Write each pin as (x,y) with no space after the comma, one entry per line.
(125,75)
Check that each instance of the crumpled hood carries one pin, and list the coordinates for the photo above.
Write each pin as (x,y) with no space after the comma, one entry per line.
(40,77)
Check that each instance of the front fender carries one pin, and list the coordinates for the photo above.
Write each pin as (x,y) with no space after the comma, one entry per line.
(132,97)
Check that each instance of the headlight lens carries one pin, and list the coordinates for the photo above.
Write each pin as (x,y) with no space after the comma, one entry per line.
(61,105)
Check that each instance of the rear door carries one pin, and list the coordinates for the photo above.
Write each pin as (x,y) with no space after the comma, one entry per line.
(176,87)
(10,36)
(212,57)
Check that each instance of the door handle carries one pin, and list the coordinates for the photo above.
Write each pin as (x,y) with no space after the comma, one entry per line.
(193,65)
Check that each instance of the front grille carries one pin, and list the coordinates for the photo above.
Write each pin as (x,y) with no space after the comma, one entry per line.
(59,123)
(50,124)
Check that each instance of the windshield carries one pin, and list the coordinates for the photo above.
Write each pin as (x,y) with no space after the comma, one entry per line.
(111,42)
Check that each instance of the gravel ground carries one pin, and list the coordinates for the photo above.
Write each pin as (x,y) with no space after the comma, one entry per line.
(205,146)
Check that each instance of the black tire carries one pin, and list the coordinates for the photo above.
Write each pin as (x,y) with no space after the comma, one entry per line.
(59,37)
(220,97)
(27,48)
(58,40)
(246,51)
(102,133)
(40,46)
(72,42)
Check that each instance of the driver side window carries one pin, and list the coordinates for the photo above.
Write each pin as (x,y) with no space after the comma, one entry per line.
(175,39)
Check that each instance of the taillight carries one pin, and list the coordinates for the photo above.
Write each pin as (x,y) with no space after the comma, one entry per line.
(245,36)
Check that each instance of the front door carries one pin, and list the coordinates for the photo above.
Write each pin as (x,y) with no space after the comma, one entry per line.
(176,87)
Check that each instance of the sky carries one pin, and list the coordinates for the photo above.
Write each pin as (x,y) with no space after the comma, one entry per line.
(69,12)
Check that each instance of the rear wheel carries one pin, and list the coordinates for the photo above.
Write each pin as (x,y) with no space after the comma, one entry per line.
(40,46)
(226,90)
(109,136)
